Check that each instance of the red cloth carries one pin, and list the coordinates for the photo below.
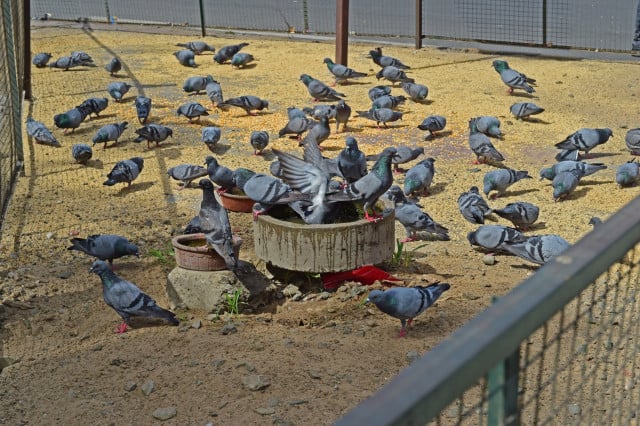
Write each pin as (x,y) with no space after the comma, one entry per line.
(366,275)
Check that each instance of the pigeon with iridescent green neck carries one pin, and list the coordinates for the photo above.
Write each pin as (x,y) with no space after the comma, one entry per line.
(419,177)
(512,78)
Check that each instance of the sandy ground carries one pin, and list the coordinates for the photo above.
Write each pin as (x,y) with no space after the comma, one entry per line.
(320,356)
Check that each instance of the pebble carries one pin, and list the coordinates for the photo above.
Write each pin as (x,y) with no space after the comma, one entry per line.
(229,328)
(165,413)
(265,411)
(130,386)
(250,367)
(325,295)
(196,324)
(255,382)
(574,409)
(489,259)
(298,402)
(413,356)
(291,291)
(50,235)
(148,387)
(314,374)
(217,363)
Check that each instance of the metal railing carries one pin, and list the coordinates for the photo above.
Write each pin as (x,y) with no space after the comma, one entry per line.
(561,348)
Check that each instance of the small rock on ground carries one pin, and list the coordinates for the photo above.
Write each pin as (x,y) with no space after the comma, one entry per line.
(148,387)
(255,382)
(165,413)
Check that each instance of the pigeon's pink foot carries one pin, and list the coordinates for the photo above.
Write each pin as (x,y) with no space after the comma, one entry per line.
(253,114)
(398,171)
(221,190)
(180,188)
(407,240)
(403,332)
(409,322)
(372,218)
(510,90)
(121,328)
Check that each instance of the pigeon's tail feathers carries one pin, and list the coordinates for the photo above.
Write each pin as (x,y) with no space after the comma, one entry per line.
(109,182)
(79,244)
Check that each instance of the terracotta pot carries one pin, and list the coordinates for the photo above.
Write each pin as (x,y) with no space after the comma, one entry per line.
(192,253)
(236,203)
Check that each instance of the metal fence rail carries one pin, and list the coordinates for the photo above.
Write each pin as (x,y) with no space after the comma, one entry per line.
(561,348)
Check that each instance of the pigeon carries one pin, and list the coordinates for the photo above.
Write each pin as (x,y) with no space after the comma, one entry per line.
(105,246)
(512,78)
(520,213)
(66,62)
(186,173)
(81,56)
(318,133)
(143,108)
(473,207)
(352,163)
(313,155)
(71,119)
(385,61)
(95,105)
(343,112)
(632,140)
(488,125)
(585,139)
(267,191)
(127,299)
(433,124)
(375,183)
(628,174)
(414,220)
(522,110)
(539,248)
(481,145)
(419,177)
(595,222)
(388,101)
(81,153)
(113,66)
(494,237)
(259,141)
(41,59)
(211,136)
(197,47)
(192,110)
(406,303)
(220,175)
(227,52)
(297,126)
(40,133)
(405,154)
(564,183)
(125,171)
(193,227)
(214,92)
(417,92)
(241,59)
(499,180)
(393,74)
(118,89)
(153,133)
(381,115)
(582,169)
(568,155)
(341,72)
(293,112)
(320,91)
(186,58)
(248,103)
(110,132)
(320,111)
(214,221)
(378,91)
(194,85)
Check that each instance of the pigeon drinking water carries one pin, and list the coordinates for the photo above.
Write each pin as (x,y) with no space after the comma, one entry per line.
(214,222)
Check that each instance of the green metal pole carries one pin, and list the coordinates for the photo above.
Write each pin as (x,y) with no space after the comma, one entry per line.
(502,384)
(202,26)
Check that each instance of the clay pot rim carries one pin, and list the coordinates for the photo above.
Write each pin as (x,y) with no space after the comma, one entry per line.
(234,196)
(323,227)
(176,242)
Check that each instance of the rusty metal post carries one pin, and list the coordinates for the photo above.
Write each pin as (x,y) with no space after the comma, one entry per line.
(418,40)
(342,31)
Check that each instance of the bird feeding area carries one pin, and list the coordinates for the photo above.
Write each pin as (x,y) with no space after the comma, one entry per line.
(192,252)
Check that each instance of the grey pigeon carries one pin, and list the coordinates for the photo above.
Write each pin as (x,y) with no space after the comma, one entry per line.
(494,237)
(71,119)
(113,66)
(406,303)
(499,180)
(153,133)
(127,299)
(632,140)
(193,227)
(351,161)
(595,221)
(220,175)
(539,248)
(40,133)
(433,124)
(293,112)
(582,169)
(393,74)
(489,125)
(214,92)
(241,59)
(194,85)
(259,141)
(318,133)
(388,101)
(186,58)
(81,56)
(313,155)
(512,78)
(341,72)
(211,136)
(375,183)
(227,52)
(568,155)
(197,47)
(415,221)
(320,111)
(472,206)
(186,173)
(143,108)
(405,154)
(585,139)
(378,91)
(297,126)
(320,91)
(417,92)
(41,59)
(520,213)
(381,115)
(95,105)
(118,89)
(522,110)
(110,132)
(385,61)
(192,110)
(267,190)
(248,103)
(564,183)
(66,62)
(482,147)
(125,171)
(419,177)
(214,221)
(343,112)
(105,246)
(81,153)
(628,174)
